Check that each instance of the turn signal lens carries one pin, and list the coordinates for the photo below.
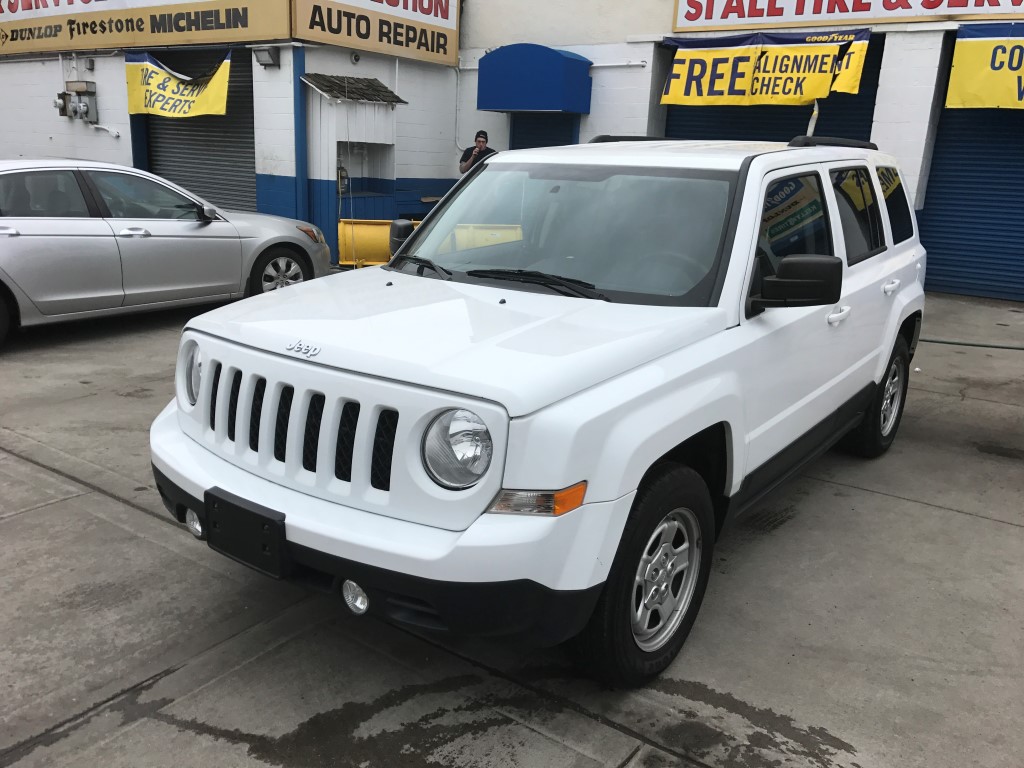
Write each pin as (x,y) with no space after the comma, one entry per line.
(313,233)
(549,503)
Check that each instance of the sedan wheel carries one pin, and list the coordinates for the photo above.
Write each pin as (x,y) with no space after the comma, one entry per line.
(280,273)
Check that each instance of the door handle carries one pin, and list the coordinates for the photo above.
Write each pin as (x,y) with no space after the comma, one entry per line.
(890,288)
(9,232)
(134,232)
(839,315)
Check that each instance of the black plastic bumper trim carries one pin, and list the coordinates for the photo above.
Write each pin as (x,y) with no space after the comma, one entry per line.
(521,609)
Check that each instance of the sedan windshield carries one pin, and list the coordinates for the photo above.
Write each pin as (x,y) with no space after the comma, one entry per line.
(632,235)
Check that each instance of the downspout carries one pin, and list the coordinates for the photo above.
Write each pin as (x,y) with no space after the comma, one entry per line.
(301,134)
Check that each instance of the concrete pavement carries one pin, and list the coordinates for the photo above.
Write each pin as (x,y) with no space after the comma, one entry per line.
(868,614)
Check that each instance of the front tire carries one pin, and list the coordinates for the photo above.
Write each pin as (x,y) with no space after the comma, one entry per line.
(878,429)
(277,268)
(657,581)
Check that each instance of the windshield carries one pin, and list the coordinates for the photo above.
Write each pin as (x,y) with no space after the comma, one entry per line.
(637,235)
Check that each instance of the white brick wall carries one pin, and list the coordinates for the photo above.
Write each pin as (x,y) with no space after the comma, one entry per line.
(31,126)
(425,127)
(274,117)
(906,107)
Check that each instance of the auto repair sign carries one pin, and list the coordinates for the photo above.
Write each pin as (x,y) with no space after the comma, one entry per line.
(692,15)
(32,26)
(425,30)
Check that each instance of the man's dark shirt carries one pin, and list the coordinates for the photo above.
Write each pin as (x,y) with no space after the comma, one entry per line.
(480,155)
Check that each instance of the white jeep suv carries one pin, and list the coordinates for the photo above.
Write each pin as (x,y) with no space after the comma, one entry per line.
(537,419)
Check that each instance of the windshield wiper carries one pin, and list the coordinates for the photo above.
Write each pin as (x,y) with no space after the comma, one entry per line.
(422,262)
(572,285)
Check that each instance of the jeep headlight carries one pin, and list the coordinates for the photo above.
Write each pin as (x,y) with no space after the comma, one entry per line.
(193,372)
(457,449)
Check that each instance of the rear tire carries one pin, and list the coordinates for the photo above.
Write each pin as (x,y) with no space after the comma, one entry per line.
(277,268)
(877,431)
(656,584)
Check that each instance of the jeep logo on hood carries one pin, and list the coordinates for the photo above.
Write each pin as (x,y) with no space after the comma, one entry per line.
(299,348)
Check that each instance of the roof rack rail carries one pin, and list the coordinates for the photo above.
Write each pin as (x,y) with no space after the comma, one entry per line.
(831,141)
(604,138)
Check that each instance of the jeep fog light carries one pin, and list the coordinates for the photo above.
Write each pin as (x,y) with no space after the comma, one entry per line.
(194,525)
(193,372)
(355,598)
(554,503)
(457,449)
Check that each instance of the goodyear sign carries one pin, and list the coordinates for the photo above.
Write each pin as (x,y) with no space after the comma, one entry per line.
(425,30)
(988,67)
(791,208)
(765,68)
(155,90)
(32,26)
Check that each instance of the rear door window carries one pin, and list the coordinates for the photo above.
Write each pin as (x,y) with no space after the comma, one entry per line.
(42,194)
(896,204)
(859,215)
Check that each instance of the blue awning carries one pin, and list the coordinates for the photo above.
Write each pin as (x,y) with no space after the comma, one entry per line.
(533,78)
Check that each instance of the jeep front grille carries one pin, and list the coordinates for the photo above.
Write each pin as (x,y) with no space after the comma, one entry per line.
(244,402)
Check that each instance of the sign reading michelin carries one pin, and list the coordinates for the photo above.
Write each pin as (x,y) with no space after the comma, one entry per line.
(425,30)
(31,26)
(988,67)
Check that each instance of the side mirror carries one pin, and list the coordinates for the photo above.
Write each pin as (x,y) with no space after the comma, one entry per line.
(801,281)
(207,212)
(400,231)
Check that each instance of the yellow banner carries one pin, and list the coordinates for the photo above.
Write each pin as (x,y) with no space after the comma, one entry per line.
(155,90)
(765,69)
(33,26)
(425,30)
(988,68)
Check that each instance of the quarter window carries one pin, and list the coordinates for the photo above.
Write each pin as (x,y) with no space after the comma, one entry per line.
(42,194)
(135,197)
(858,214)
(895,195)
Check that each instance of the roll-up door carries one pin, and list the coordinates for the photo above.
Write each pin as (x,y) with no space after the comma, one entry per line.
(842,114)
(213,156)
(544,129)
(974,204)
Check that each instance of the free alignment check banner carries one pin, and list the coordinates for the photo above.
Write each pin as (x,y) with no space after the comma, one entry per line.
(764,68)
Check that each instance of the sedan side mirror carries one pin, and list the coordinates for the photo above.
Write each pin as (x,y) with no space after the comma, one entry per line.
(400,231)
(801,281)
(207,212)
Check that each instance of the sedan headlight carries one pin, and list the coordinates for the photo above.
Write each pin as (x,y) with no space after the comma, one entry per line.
(457,449)
(193,372)
(313,232)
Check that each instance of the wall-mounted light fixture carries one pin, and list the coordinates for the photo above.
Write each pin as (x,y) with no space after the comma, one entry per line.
(267,57)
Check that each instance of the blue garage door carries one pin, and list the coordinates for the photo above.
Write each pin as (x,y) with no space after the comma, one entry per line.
(544,129)
(973,216)
(841,114)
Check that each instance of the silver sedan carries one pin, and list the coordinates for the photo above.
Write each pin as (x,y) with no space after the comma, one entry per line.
(81,239)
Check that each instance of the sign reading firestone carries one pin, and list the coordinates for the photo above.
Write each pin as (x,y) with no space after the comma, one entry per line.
(748,14)
(426,30)
(32,26)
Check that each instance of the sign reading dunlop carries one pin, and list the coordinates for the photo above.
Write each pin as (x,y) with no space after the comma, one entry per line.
(426,30)
(764,68)
(988,67)
(32,26)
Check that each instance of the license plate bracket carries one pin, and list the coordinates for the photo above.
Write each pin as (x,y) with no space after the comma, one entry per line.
(247,532)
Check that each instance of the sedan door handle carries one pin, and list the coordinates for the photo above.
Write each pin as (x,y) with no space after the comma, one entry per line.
(890,288)
(9,232)
(839,315)
(134,232)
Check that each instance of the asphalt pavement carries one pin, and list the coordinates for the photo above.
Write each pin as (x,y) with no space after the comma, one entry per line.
(868,613)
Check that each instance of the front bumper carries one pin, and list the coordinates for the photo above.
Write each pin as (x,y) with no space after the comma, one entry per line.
(535,578)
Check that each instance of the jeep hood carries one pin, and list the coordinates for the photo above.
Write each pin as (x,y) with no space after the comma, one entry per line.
(521,349)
